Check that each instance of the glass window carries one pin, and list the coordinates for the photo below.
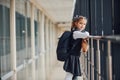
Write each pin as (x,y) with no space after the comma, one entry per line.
(36,14)
(4,38)
(20,31)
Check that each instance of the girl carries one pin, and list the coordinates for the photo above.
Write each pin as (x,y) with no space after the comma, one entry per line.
(72,64)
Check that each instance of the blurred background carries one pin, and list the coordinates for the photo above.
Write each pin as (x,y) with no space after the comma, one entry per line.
(29,31)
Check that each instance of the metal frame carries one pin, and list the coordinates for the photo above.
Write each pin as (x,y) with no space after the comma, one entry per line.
(90,60)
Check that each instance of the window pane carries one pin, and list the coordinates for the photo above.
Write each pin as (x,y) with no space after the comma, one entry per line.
(5,66)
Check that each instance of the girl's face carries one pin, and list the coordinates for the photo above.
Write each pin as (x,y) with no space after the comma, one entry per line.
(81,24)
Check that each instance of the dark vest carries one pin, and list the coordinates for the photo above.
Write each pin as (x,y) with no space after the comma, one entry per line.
(77,46)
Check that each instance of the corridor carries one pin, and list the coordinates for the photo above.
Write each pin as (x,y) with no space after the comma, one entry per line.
(30,31)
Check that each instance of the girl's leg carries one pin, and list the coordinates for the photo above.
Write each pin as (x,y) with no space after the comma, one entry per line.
(77,78)
(68,76)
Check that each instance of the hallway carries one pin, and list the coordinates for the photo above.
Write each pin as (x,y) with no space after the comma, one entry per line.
(30,30)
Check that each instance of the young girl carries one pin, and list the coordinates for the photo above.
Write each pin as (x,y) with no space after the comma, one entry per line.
(72,64)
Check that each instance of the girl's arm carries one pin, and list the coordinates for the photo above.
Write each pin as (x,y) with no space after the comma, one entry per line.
(79,34)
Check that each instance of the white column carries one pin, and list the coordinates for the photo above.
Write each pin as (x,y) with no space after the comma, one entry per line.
(47,57)
(42,49)
(32,42)
(54,42)
(13,38)
(39,39)
(52,46)
(26,40)
(54,38)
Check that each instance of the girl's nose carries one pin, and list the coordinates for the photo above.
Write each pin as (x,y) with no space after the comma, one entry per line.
(82,26)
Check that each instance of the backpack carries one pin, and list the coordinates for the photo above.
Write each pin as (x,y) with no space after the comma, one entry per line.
(63,46)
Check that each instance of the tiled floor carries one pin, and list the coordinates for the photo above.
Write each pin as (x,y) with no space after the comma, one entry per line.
(58,73)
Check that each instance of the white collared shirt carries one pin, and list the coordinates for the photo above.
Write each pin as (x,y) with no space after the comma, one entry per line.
(79,34)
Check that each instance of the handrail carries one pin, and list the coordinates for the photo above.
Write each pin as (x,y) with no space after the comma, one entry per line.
(108,57)
(111,37)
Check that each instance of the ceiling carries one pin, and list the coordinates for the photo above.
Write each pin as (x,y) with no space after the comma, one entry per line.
(60,10)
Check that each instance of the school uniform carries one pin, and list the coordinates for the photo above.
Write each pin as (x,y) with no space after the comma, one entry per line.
(72,63)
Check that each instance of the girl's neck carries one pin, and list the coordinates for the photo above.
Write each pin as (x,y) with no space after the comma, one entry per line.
(79,30)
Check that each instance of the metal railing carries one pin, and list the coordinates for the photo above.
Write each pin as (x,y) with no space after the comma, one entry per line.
(98,62)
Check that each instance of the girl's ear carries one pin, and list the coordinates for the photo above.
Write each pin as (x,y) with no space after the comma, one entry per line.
(76,24)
